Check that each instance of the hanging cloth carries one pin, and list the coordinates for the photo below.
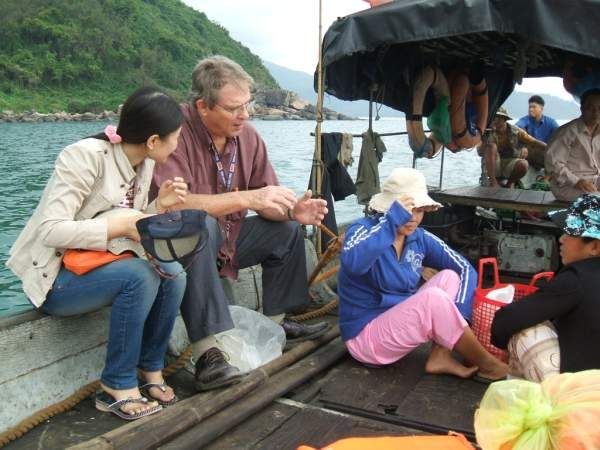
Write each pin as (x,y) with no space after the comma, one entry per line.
(345,154)
(337,183)
(367,178)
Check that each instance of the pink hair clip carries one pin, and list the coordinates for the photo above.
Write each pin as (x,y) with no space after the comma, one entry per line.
(111,132)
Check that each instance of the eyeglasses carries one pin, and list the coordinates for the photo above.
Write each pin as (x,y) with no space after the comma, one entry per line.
(240,109)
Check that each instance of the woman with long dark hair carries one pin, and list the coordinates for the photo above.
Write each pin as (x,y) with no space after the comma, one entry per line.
(111,172)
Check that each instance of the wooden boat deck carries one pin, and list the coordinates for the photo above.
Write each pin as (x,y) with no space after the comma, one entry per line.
(353,400)
(499,197)
(349,399)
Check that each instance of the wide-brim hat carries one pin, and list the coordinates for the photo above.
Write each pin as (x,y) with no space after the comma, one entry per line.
(123,244)
(501,112)
(403,182)
(175,235)
(582,218)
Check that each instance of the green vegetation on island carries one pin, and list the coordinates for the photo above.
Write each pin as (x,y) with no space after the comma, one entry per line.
(88,55)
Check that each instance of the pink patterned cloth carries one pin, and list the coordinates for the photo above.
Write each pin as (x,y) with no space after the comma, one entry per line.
(428,315)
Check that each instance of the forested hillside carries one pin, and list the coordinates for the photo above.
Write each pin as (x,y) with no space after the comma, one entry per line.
(87,55)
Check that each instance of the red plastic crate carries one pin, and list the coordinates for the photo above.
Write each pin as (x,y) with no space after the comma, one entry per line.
(484,308)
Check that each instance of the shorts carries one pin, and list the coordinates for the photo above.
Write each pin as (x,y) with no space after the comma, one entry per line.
(505,166)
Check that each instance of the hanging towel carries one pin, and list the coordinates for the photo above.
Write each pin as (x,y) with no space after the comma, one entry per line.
(367,178)
(345,154)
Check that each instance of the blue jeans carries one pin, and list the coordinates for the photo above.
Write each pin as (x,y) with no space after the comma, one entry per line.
(144,308)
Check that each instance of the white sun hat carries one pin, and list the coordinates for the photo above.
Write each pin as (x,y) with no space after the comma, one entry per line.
(403,182)
(123,244)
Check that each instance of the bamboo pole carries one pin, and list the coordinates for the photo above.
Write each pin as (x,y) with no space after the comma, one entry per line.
(152,431)
(284,381)
(316,182)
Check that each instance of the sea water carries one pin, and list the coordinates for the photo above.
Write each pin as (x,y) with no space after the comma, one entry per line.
(28,151)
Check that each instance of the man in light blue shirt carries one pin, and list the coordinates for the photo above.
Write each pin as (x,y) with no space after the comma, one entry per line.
(539,126)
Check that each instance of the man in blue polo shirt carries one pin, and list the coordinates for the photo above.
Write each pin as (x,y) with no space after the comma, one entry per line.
(539,126)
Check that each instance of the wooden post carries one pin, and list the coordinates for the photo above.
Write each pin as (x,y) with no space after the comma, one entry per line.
(318,166)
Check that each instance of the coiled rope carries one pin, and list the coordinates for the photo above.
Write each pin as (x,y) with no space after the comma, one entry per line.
(332,251)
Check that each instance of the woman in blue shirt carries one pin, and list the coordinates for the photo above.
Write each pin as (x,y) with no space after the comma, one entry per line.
(384,314)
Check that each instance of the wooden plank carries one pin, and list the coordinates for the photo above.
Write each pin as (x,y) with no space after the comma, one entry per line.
(446,401)
(488,197)
(31,345)
(533,197)
(403,390)
(251,432)
(47,385)
(319,428)
(374,388)
(17,319)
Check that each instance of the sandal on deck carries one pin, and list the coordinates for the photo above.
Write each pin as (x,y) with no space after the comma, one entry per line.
(107,403)
(145,390)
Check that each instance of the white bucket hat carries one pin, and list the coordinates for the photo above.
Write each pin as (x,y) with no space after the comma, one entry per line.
(402,182)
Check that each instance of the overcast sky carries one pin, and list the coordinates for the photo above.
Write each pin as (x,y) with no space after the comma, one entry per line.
(285,32)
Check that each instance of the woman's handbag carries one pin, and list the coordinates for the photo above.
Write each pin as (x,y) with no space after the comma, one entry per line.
(81,262)
(484,307)
(175,235)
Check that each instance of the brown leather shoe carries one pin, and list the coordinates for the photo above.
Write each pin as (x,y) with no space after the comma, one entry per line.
(213,371)
(298,332)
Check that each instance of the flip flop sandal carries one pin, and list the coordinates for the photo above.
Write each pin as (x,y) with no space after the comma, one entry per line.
(107,403)
(145,390)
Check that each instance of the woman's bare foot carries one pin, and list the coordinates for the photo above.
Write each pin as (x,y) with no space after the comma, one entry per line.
(156,378)
(440,361)
(129,408)
(493,370)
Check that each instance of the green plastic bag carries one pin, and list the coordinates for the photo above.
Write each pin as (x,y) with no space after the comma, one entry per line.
(561,413)
(439,121)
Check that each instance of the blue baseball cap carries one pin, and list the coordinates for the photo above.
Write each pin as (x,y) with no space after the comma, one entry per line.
(582,218)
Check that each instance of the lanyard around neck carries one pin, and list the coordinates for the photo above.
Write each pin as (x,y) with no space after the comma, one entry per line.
(226,179)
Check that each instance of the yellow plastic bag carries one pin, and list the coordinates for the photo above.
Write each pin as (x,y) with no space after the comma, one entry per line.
(561,413)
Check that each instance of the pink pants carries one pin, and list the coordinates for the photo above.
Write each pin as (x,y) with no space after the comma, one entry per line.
(428,315)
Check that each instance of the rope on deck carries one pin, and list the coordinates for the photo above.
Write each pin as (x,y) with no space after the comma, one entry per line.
(333,249)
(72,400)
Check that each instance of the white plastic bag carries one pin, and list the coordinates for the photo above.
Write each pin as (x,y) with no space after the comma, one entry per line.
(254,341)
(504,294)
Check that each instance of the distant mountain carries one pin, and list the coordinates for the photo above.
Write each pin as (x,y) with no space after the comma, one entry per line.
(302,84)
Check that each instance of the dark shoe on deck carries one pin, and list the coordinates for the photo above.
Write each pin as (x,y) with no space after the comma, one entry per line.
(297,332)
(213,371)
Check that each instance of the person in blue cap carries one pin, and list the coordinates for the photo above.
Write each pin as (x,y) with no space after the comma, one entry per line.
(555,329)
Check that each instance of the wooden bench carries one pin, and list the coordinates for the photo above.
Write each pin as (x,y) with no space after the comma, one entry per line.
(499,197)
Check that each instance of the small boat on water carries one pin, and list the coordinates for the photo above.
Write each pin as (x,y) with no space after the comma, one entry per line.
(374,55)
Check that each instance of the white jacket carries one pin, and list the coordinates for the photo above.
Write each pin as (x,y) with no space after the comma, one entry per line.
(90,177)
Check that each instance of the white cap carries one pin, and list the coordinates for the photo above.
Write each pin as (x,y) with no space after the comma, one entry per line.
(402,182)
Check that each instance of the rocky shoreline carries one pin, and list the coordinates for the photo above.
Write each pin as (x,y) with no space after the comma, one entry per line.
(272,104)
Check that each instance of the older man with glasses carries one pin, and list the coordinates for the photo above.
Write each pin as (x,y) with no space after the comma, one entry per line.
(224,161)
